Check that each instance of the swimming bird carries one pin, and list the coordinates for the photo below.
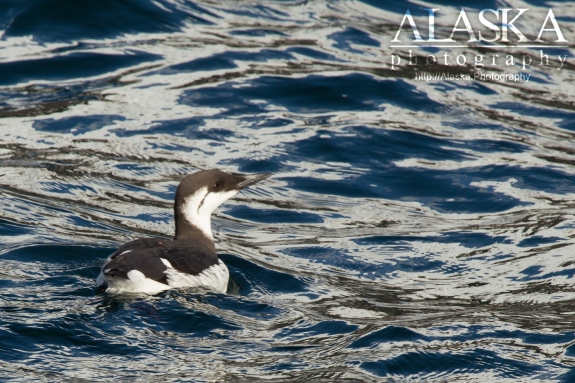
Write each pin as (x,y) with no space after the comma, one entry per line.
(153,265)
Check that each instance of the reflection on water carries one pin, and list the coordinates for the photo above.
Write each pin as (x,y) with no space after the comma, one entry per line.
(413,229)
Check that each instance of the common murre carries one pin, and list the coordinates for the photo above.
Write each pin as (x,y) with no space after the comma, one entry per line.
(152,265)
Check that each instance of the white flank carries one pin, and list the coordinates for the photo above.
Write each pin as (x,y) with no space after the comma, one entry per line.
(201,216)
(136,283)
(215,277)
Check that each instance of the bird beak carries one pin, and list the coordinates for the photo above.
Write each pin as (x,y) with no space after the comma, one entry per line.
(250,179)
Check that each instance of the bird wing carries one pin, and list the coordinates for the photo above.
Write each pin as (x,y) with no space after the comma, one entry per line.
(189,258)
(139,244)
(152,257)
(146,261)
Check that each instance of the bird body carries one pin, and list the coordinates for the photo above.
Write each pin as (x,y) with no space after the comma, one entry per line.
(153,265)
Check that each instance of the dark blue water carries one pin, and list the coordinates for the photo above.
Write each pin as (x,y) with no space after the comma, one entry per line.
(413,230)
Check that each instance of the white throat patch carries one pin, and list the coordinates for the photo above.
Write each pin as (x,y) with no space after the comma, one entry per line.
(198,208)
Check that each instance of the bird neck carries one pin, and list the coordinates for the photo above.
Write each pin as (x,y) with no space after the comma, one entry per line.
(186,231)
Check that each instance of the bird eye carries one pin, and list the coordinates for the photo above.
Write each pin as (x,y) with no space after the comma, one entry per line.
(217,185)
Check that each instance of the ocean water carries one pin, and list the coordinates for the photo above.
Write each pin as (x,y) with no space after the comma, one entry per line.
(419,225)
